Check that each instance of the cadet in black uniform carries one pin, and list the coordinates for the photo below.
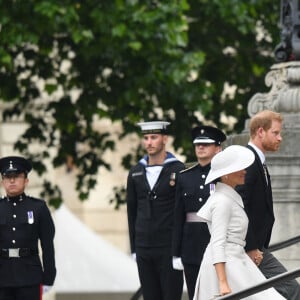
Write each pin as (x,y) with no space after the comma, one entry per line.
(24,221)
(190,236)
(151,188)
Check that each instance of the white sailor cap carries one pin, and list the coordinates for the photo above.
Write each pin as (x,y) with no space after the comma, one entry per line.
(154,127)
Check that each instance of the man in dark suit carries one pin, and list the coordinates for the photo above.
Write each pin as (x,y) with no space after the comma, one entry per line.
(190,237)
(25,221)
(265,136)
(151,188)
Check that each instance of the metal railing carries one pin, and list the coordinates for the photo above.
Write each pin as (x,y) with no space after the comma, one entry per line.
(262,286)
(284,244)
(259,287)
(137,294)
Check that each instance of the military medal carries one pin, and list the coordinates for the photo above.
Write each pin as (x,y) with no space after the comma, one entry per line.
(172,179)
(212,188)
(30,217)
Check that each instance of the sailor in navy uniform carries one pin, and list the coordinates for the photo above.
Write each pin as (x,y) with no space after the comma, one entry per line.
(24,222)
(151,186)
(190,237)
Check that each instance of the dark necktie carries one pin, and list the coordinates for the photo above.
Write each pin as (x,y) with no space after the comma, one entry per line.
(266,172)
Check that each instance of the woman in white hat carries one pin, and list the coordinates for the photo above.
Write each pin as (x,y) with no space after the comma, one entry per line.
(226,268)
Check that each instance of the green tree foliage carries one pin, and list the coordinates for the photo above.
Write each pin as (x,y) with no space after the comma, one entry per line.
(126,61)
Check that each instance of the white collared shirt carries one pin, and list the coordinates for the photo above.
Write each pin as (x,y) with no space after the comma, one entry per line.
(259,152)
(152,173)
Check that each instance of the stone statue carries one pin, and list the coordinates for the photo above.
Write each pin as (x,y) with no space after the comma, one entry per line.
(284,96)
(289,47)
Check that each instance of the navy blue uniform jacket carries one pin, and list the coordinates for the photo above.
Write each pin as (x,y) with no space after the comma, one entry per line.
(151,212)
(190,238)
(24,221)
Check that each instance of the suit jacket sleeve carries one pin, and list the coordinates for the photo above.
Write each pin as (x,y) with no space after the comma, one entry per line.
(179,220)
(258,203)
(247,193)
(220,220)
(131,200)
(47,231)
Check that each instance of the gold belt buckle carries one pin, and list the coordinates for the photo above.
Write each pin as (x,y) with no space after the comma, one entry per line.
(13,252)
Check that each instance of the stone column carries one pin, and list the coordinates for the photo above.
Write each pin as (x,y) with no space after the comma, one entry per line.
(284,165)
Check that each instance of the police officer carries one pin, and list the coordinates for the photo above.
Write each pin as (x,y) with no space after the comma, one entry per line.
(191,237)
(24,222)
(151,186)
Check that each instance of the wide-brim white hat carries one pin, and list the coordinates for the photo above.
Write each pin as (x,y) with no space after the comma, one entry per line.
(232,159)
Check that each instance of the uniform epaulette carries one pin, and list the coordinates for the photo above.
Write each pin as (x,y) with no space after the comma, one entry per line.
(189,168)
(34,198)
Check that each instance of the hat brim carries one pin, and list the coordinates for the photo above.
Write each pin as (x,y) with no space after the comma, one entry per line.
(12,171)
(204,141)
(154,127)
(234,158)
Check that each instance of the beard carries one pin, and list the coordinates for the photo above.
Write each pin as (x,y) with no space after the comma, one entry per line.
(270,146)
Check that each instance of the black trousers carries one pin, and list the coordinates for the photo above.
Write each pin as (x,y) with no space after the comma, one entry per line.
(159,281)
(191,274)
(271,267)
(21,293)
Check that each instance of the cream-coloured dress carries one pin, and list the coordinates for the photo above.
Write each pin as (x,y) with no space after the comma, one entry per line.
(227,223)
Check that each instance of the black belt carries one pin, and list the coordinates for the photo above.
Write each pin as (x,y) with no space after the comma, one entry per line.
(17,252)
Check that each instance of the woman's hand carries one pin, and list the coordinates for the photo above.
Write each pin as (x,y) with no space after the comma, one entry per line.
(224,288)
(256,256)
